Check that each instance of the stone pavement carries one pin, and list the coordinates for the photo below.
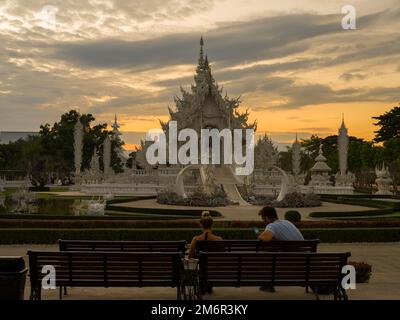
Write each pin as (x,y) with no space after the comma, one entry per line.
(384,283)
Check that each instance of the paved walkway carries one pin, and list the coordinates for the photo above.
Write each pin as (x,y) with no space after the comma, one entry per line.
(384,283)
(248,212)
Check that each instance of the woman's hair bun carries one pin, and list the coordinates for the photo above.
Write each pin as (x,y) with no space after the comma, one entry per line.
(205,214)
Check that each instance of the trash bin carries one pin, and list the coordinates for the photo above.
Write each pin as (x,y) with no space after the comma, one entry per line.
(12,278)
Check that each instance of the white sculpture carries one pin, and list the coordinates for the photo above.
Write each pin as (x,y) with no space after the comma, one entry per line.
(78,147)
(383,180)
(96,207)
(107,156)
(23,200)
(343,179)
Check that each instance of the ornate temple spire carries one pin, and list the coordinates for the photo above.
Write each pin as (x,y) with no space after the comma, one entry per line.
(201,57)
(343,126)
(343,147)
(115,126)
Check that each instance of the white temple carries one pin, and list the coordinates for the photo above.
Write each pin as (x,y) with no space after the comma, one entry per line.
(205,106)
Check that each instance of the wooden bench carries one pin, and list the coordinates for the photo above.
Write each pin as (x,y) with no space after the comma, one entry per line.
(128,246)
(106,269)
(244,269)
(256,246)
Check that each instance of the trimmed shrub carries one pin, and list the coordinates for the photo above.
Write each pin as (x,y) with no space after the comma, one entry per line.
(260,200)
(47,236)
(363,271)
(195,199)
(298,200)
(151,221)
(293,216)
(39,189)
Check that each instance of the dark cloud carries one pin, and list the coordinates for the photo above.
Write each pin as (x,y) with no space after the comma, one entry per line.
(43,72)
(267,38)
(348,76)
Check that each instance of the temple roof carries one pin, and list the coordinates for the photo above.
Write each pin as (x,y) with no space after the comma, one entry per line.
(206,102)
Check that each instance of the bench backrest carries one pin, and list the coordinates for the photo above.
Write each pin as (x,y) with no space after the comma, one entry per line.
(272,268)
(108,269)
(256,246)
(128,246)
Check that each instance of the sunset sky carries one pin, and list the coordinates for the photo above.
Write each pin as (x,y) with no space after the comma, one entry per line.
(294,66)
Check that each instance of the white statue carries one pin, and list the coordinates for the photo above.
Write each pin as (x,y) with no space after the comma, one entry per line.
(343,179)
(23,200)
(383,180)
(78,146)
(107,156)
(96,207)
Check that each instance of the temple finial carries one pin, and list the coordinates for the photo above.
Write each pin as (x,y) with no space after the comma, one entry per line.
(201,47)
(343,125)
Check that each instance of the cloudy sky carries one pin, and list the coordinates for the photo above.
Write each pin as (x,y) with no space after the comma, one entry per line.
(294,66)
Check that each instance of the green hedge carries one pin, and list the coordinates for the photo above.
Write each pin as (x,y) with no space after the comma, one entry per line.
(359,196)
(109,216)
(162,211)
(47,236)
(333,214)
(183,222)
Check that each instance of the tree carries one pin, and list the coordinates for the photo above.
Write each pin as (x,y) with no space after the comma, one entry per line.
(389,124)
(50,155)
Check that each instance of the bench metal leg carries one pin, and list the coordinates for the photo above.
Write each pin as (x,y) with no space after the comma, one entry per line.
(344,294)
(178,293)
(60,292)
(65,291)
(36,293)
(316,293)
(336,294)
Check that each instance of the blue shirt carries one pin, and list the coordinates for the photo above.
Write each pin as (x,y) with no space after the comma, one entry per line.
(284,230)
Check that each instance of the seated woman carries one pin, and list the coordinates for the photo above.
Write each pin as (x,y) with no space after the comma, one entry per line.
(206,222)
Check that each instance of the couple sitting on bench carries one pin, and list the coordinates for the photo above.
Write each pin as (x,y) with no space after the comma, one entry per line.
(276,229)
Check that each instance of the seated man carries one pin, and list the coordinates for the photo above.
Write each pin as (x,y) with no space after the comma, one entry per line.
(281,230)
